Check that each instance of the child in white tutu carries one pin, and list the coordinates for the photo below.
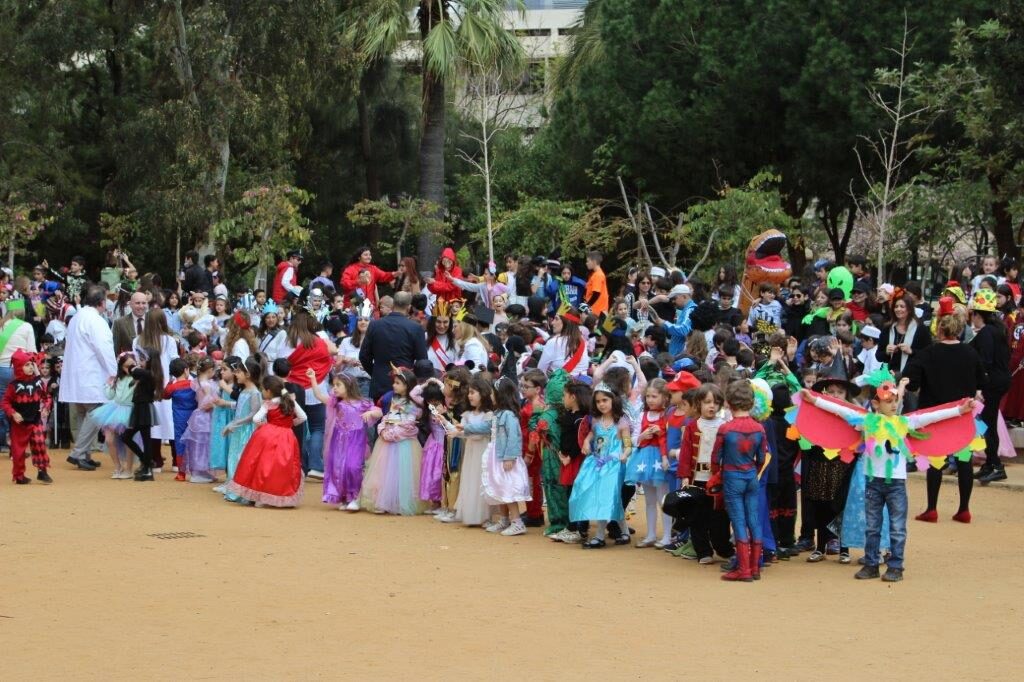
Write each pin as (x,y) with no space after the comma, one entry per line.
(504,478)
(113,416)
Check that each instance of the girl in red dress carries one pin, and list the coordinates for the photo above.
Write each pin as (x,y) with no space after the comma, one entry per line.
(269,472)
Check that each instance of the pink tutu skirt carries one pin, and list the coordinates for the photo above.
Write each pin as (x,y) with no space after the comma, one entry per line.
(504,487)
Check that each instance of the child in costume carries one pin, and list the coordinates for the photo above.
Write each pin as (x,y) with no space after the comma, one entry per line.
(597,491)
(183,403)
(345,447)
(650,464)
(476,429)
(113,416)
(505,481)
(240,429)
(886,451)
(542,442)
(681,390)
(741,455)
(391,483)
(143,418)
(27,404)
(269,472)
(709,526)
(456,390)
(195,441)
(223,411)
(432,465)
(576,399)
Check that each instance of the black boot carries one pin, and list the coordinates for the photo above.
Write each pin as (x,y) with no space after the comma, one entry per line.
(144,474)
(43,476)
(23,480)
(997,473)
(984,470)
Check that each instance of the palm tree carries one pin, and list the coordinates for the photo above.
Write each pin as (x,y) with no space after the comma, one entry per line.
(453,34)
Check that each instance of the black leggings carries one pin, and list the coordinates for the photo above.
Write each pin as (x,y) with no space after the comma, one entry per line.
(614,529)
(964,479)
(144,454)
(990,417)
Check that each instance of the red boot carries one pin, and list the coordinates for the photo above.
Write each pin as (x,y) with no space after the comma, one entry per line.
(179,462)
(742,570)
(755,560)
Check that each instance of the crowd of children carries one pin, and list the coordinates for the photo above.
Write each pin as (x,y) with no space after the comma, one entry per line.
(574,406)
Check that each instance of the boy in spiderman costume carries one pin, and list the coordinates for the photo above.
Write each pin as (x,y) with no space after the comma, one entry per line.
(27,404)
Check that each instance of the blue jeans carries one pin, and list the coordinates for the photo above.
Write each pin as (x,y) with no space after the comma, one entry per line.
(313,448)
(740,491)
(893,496)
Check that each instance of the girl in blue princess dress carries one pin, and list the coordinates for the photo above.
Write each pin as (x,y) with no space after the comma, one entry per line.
(596,493)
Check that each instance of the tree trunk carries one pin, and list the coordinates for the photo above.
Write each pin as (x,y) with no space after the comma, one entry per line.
(1003,222)
(431,162)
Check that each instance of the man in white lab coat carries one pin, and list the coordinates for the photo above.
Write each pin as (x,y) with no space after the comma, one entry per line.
(88,363)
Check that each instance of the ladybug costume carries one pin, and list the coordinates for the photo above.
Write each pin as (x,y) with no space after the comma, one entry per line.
(27,396)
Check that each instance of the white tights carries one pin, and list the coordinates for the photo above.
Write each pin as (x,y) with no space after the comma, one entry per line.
(653,494)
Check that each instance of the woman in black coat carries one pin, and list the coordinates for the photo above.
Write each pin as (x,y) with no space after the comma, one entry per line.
(944,372)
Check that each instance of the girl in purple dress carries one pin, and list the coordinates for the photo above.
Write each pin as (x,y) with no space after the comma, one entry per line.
(431,397)
(345,444)
(196,439)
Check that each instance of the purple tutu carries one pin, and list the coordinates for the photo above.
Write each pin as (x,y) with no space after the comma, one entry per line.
(432,465)
(344,462)
(196,444)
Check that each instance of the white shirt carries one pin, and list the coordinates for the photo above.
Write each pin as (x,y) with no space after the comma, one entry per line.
(88,358)
(288,281)
(474,350)
(23,338)
(240,349)
(554,357)
(261,414)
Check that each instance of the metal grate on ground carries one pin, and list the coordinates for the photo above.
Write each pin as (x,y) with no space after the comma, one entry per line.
(181,535)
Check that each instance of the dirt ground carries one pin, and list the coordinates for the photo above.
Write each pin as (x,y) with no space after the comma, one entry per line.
(317,593)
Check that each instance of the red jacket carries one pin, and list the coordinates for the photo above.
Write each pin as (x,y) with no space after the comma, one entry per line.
(278,292)
(350,281)
(442,287)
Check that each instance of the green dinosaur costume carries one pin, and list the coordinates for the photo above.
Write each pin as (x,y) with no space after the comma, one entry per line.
(555,494)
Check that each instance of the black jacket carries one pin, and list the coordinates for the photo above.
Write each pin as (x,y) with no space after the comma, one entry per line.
(394,339)
(197,278)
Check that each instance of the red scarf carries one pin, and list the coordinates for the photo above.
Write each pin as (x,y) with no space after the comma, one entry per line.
(316,358)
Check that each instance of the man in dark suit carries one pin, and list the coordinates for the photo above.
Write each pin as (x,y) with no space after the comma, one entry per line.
(393,339)
(195,275)
(128,327)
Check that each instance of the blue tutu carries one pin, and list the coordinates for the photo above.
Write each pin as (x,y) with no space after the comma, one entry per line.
(644,466)
(112,416)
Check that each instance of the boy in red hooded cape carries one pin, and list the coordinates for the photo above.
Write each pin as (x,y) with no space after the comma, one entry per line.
(27,404)
(440,285)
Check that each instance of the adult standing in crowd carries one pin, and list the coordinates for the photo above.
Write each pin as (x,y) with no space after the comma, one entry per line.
(993,348)
(89,361)
(361,277)
(131,325)
(392,340)
(307,347)
(157,344)
(197,278)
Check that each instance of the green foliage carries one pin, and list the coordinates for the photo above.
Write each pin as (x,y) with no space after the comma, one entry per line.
(399,221)
(118,230)
(537,225)
(727,223)
(265,222)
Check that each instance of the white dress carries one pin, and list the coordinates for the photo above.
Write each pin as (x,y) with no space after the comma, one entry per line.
(164,430)
(554,357)
(475,351)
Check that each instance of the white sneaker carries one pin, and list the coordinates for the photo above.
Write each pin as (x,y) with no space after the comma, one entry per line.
(158,470)
(124,475)
(352,506)
(219,489)
(517,528)
(174,469)
(315,475)
(498,527)
(116,475)
(571,537)
(446,518)
(200,479)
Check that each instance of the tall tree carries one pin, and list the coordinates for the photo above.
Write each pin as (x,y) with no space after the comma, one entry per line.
(452,35)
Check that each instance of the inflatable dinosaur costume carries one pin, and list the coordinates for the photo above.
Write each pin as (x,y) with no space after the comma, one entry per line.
(764,264)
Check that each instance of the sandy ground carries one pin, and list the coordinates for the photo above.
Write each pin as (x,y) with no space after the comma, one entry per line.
(317,593)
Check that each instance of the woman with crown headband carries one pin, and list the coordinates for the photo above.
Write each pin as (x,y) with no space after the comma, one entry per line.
(440,341)
(566,349)
(271,333)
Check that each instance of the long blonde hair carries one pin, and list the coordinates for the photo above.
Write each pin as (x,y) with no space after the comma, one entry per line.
(466,331)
